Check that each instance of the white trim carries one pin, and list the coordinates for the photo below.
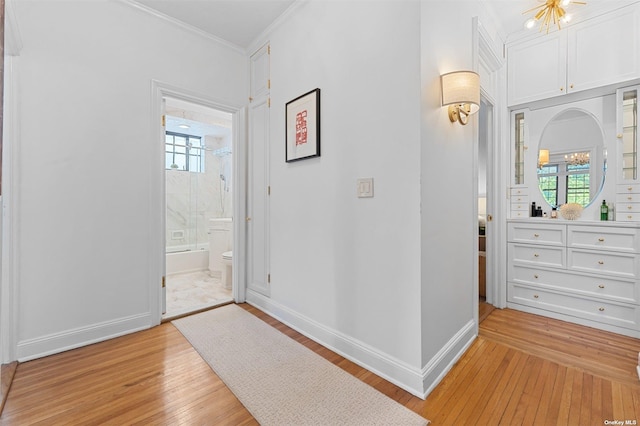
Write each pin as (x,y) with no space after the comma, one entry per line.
(263,37)
(438,367)
(157,194)
(11,214)
(12,37)
(180,24)
(384,365)
(75,338)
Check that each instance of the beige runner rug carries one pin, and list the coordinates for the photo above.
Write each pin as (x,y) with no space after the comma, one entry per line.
(280,381)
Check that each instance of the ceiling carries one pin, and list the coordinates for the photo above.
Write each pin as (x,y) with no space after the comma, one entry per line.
(239,22)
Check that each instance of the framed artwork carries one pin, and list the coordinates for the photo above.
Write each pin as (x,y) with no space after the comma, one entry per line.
(302,127)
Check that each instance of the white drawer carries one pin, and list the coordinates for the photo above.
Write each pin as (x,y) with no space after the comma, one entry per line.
(621,290)
(627,217)
(621,315)
(604,238)
(627,198)
(519,214)
(521,207)
(625,207)
(519,190)
(537,233)
(529,254)
(520,199)
(631,188)
(608,263)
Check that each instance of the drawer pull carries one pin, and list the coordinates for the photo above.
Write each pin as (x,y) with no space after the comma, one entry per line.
(536,255)
(629,198)
(535,296)
(536,235)
(629,217)
(601,286)
(601,309)
(629,207)
(601,240)
(535,276)
(630,188)
(600,262)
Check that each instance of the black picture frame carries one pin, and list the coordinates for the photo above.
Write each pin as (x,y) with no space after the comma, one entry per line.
(302,127)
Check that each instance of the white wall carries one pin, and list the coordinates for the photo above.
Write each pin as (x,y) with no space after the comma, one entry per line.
(349,265)
(85,163)
(449,182)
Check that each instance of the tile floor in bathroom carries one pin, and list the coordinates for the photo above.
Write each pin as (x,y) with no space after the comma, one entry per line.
(194,291)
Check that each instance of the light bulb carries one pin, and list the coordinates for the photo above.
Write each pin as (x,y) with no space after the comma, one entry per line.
(566,18)
(530,23)
(566,2)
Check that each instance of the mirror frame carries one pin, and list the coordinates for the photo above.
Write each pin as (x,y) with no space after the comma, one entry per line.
(600,149)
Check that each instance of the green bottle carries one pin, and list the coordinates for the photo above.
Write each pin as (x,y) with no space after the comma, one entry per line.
(604,211)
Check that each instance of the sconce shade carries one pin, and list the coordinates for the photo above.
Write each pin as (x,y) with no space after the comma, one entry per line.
(543,157)
(461,90)
(461,87)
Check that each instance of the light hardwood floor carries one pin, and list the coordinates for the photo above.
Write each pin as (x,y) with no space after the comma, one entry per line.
(522,369)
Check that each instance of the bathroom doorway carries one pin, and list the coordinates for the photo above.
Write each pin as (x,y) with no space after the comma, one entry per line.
(198,144)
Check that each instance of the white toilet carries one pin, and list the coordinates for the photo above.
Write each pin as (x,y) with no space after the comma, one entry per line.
(227,278)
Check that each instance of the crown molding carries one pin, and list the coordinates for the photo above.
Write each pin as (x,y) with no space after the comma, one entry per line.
(176,22)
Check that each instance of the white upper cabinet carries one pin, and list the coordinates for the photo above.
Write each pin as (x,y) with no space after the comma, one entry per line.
(604,51)
(597,52)
(260,82)
(536,69)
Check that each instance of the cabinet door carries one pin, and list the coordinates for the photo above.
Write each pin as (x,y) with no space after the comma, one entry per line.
(536,69)
(605,50)
(259,72)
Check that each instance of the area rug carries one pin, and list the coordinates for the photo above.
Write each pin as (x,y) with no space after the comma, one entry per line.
(282,382)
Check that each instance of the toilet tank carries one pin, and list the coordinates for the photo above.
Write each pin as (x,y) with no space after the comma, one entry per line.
(220,240)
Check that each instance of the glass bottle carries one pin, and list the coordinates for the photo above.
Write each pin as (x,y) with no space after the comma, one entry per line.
(604,211)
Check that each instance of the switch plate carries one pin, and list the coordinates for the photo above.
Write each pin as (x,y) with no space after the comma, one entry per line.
(365,187)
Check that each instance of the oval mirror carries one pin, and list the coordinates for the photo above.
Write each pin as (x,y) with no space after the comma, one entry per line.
(572,159)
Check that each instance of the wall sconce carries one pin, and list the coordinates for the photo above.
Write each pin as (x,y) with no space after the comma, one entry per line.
(461,92)
(543,158)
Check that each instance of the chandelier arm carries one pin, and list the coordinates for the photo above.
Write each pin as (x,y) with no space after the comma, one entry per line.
(534,8)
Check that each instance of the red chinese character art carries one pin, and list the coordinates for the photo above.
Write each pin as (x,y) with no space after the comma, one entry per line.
(301,128)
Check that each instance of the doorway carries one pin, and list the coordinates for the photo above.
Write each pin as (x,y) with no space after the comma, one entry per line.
(198,168)
(485,218)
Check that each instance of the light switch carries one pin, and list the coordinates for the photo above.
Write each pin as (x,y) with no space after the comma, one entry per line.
(365,187)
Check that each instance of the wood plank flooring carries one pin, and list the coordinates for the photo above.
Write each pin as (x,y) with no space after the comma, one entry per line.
(522,369)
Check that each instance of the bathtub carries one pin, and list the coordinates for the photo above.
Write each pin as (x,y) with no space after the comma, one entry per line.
(179,262)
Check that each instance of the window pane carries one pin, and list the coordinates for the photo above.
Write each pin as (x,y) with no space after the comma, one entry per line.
(168,159)
(181,161)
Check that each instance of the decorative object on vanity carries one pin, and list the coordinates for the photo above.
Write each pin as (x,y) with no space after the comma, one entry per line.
(550,11)
(302,127)
(571,211)
(461,93)
(604,210)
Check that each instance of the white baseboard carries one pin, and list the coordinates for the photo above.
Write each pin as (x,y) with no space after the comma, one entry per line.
(415,381)
(75,338)
(445,359)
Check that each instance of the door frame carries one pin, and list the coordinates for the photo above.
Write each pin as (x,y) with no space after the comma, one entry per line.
(489,64)
(157,197)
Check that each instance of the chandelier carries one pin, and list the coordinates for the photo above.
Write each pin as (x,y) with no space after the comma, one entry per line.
(550,12)
(577,158)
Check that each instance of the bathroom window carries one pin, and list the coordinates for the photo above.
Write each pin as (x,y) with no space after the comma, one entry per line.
(184,152)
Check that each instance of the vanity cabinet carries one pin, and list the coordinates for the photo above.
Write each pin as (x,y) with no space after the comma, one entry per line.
(594,53)
(587,273)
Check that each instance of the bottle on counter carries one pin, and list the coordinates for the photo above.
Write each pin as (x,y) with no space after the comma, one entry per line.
(604,211)
(533,209)
(554,213)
